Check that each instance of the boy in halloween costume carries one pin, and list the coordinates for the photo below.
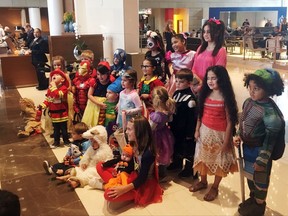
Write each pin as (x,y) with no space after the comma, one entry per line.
(56,101)
(81,84)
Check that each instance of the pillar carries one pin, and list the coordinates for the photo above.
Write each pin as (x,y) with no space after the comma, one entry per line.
(35,17)
(55,15)
(115,19)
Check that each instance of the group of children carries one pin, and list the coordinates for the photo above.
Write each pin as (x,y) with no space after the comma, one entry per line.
(192,116)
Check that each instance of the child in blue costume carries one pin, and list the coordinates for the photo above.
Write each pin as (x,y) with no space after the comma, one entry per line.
(260,125)
(119,67)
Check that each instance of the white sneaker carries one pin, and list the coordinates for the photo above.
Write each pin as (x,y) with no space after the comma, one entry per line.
(47,167)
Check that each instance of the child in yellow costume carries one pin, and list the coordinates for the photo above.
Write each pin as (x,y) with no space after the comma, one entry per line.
(124,167)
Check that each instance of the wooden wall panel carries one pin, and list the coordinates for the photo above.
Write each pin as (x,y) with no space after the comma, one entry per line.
(64,45)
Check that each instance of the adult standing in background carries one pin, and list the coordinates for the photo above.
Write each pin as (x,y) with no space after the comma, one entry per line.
(246,23)
(168,33)
(269,23)
(38,48)
(30,34)
(283,30)
(2,33)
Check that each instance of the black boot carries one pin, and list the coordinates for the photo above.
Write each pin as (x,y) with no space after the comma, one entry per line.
(252,208)
(161,171)
(187,171)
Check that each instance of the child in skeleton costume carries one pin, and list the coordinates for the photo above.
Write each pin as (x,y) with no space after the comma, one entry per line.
(260,125)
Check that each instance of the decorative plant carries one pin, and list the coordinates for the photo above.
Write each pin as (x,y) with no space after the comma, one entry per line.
(68,17)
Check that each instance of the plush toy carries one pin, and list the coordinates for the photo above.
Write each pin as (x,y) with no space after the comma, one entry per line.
(73,152)
(28,113)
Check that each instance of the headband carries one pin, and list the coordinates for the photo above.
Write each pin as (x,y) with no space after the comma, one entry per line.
(151,34)
(215,21)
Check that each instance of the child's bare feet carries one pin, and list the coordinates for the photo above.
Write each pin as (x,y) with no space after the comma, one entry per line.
(73,183)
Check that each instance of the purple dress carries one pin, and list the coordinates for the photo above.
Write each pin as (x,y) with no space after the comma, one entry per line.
(163,137)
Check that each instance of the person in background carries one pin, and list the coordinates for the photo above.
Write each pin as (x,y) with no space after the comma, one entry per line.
(246,23)
(9,204)
(217,118)
(261,123)
(30,34)
(268,23)
(37,49)
(167,34)
(145,189)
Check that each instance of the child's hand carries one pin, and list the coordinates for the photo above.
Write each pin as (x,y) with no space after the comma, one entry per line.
(103,106)
(52,84)
(236,141)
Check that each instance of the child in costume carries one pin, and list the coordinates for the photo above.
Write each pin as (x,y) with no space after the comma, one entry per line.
(119,67)
(164,108)
(56,101)
(88,55)
(81,85)
(97,94)
(129,101)
(212,51)
(98,151)
(145,189)
(180,59)
(112,98)
(261,122)
(124,167)
(70,161)
(156,51)
(217,117)
(184,123)
(58,62)
(147,83)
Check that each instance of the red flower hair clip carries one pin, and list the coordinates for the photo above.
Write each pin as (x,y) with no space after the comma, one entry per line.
(215,21)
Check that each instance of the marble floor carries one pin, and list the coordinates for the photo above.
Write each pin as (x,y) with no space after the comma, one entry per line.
(21,167)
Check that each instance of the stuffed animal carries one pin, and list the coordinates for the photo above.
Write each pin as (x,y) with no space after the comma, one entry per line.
(73,152)
(28,113)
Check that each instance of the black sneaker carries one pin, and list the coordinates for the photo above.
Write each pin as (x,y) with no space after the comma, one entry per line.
(47,167)
(55,145)
(252,209)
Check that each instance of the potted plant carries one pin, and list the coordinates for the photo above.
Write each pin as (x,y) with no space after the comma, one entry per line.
(68,19)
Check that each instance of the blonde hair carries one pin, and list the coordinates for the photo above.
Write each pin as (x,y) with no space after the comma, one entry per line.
(88,54)
(161,99)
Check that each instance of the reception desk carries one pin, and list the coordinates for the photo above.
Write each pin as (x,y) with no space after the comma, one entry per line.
(17,71)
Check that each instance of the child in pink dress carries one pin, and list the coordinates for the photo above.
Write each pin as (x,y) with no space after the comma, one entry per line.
(211,52)
(180,59)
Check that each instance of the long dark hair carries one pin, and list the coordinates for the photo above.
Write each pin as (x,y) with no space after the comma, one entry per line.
(143,134)
(217,29)
(225,87)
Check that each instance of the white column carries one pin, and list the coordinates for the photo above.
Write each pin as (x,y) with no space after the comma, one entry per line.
(35,18)
(55,15)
